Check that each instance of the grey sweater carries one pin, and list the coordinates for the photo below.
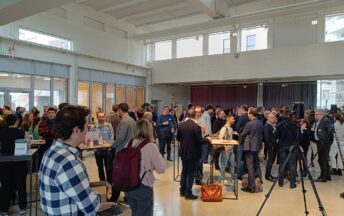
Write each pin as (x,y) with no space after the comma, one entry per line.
(125,131)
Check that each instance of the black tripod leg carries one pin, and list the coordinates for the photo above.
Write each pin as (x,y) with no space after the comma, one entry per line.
(281,172)
(301,164)
(321,207)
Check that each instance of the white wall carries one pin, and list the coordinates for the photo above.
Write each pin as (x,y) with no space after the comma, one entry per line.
(167,95)
(86,40)
(294,62)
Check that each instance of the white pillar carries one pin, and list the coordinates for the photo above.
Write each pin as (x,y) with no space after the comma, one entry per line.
(73,82)
(174,48)
(205,44)
(234,42)
(260,94)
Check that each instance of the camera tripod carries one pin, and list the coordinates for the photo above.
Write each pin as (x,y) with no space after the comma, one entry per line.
(301,159)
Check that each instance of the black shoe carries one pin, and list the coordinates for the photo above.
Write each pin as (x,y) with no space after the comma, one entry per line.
(329,178)
(342,195)
(239,178)
(182,194)
(248,190)
(293,186)
(191,197)
(333,172)
(320,180)
(339,172)
(169,159)
(281,185)
(270,178)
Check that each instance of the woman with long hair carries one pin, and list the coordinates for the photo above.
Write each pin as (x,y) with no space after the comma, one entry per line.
(27,120)
(34,128)
(141,200)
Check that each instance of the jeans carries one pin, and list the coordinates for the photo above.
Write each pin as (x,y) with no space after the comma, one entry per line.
(223,160)
(291,166)
(165,142)
(240,162)
(188,175)
(141,201)
(253,168)
(13,177)
(103,157)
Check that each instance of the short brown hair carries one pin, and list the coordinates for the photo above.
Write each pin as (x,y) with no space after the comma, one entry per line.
(144,130)
(68,118)
(124,107)
(115,108)
(253,111)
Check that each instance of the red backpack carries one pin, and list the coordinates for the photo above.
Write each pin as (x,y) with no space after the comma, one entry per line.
(126,167)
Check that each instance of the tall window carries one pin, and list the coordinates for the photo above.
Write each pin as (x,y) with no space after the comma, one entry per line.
(334,27)
(188,47)
(219,43)
(60,91)
(163,50)
(42,92)
(254,38)
(110,97)
(120,94)
(330,92)
(140,95)
(44,39)
(131,96)
(97,98)
(84,94)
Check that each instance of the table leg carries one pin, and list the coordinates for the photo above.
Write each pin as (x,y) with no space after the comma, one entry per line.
(30,170)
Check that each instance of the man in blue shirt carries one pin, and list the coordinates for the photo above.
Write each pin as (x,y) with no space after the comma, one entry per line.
(166,127)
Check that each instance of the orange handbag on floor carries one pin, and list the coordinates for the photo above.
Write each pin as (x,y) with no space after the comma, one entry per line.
(211,192)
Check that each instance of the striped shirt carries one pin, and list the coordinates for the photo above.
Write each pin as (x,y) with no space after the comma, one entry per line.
(64,183)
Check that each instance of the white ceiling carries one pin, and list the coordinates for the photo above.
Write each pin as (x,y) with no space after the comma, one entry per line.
(147,12)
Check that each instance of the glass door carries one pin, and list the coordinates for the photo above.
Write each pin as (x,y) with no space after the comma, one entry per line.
(2,99)
(19,99)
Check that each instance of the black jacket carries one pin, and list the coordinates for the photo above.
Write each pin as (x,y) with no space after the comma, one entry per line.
(218,124)
(325,131)
(270,136)
(286,133)
(190,137)
(242,121)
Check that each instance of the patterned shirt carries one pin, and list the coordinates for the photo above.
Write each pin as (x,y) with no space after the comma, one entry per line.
(64,183)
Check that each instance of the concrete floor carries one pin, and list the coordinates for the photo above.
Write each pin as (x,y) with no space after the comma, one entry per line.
(283,201)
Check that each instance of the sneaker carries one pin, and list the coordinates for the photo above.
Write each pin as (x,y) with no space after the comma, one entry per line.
(24,211)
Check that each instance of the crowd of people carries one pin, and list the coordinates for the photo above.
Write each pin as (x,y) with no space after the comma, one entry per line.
(64,182)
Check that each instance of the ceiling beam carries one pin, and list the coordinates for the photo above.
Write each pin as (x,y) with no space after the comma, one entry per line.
(167,19)
(118,6)
(26,8)
(156,11)
(213,8)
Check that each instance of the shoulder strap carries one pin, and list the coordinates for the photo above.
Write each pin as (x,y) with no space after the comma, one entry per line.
(130,143)
(142,144)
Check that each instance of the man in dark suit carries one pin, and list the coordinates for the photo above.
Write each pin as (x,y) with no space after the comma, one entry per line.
(324,138)
(190,138)
(242,121)
(251,137)
(270,136)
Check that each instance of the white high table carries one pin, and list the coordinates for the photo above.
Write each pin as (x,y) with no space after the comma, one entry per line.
(29,158)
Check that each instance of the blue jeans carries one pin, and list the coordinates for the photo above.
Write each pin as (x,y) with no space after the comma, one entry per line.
(141,201)
(240,162)
(223,160)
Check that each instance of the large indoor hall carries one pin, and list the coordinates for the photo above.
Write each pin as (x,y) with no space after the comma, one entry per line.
(171,107)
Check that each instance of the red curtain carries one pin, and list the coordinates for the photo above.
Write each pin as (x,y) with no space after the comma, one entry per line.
(225,96)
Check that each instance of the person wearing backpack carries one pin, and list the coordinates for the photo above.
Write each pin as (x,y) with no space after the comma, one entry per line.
(136,162)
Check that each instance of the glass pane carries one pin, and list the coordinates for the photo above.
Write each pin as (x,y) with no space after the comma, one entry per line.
(260,39)
(131,96)
(120,94)
(163,50)
(60,91)
(44,39)
(19,99)
(226,46)
(110,97)
(217,42)
(140,95)
(16,81)
(97,98)
(84,94)
(334,27)
(2,99)
(188,47)
(330,92)
(42,93)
